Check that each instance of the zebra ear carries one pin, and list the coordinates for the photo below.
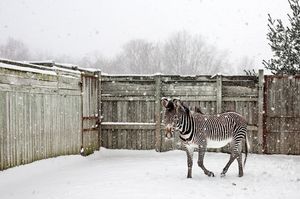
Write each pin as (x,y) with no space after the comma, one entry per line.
(179,105)
(164,102)
(177,102)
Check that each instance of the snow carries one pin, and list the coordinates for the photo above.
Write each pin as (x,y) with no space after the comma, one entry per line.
(27,69)
(148,174)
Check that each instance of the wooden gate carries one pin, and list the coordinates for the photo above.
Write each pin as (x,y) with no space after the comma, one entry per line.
(90,112)
(282,114)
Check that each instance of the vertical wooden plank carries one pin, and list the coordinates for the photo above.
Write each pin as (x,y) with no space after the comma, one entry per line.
(14,129)
(28,133)
(143,140)
(219,93)
(219,98)
(32,127)
(265,126)
(2,127)
(261,112)
(7,130)
(99,111)
(17,136)
(22,119)
(158,146)
(109,138)
(82,109)
(67,127)
(119,139)
(103,138)
(10,130)
(129,139)
(283,107)
(139,140)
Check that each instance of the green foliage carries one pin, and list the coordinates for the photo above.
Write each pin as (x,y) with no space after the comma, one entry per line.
(285,43)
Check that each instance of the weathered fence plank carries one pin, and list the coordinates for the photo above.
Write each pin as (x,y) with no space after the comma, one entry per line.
(158,113)
(39,113)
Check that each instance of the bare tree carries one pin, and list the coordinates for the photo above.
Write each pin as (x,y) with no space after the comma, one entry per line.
(246,64)
(14,49)
(176,52)
(190,54)
(137,56)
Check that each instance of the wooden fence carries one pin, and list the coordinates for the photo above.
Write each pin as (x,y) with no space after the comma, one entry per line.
(41,112)
(132,111)
(282,115)
(49,109)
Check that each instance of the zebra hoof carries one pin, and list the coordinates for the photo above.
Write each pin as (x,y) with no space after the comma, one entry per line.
(210,174)
(223,175)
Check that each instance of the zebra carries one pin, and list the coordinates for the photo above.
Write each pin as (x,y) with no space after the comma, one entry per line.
(197,130)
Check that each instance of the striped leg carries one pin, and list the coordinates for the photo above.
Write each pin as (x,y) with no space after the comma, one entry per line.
(236,153)
(231,159)
(200,162)
(239,160)
(189,153)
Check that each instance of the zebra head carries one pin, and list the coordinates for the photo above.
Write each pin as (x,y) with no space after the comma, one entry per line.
(174,109)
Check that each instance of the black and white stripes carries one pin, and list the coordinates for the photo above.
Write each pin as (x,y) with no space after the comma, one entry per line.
(207,131)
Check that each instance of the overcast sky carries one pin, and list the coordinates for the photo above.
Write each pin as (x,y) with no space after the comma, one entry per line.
(79,27)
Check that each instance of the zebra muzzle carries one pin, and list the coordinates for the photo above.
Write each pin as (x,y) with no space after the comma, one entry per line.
(169,135)
(168,131)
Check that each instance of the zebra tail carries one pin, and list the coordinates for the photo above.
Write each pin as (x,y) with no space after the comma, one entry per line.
(247,147)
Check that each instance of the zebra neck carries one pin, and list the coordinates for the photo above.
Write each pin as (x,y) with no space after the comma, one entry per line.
(186,128)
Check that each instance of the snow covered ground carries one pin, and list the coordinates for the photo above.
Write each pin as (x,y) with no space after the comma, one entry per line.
(148,174)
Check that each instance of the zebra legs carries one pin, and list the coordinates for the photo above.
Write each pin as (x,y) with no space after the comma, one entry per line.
(189,153)
(200,162)
(235,154)
(239,160)
(231,159)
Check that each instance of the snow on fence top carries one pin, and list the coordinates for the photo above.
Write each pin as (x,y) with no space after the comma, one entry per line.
(45,67)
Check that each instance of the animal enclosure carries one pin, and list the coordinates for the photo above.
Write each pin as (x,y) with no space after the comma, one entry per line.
(49,109)
(130,99)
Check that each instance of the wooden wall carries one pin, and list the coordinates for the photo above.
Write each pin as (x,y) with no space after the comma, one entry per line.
(40,114)
(128,112)
(282,114)
(130,105)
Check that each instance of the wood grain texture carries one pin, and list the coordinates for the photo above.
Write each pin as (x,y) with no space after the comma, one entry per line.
(40,116)
(282,114)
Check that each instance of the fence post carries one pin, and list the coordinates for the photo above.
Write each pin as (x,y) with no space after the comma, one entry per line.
(99,108)
(157,113)
(219,93)
(260,110)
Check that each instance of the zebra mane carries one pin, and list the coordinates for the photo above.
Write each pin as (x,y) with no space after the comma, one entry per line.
(186,109)
(198,110)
